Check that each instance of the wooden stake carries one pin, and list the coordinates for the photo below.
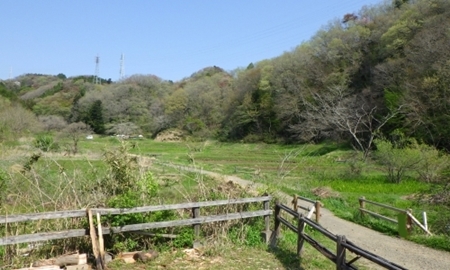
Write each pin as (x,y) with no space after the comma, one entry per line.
(98,260)
(101,243)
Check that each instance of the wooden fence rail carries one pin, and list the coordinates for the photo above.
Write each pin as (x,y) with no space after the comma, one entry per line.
(405,218)
(195,221)
(313,208)
(342,244)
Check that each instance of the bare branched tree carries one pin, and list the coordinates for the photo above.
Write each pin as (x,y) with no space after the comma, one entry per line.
(340,112)
(74,132)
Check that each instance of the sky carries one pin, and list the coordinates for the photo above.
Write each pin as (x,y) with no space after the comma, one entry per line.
(171,39)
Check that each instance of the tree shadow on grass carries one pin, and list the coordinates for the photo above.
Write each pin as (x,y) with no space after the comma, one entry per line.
(288,258)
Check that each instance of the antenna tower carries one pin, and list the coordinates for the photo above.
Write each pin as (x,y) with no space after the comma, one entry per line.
(122,67)
(97,70)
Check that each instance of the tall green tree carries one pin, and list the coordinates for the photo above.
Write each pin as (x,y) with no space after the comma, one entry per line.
(95,117)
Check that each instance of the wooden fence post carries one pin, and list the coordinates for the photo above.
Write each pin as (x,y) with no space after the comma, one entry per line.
(340,253)
(362,204)
(196,214)
(300,228)
(409,222)
(101,243)
(266,233)
(95,248)
(295,203)
(276,230)
(317,205)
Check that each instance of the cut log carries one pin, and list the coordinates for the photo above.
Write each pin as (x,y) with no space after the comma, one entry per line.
(73,259)
(67,259)
(79,267)
(127,257)
(48,267)
(145,256)
(142,256)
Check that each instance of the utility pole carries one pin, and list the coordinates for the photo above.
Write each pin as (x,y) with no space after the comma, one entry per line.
(122,67)
(97,70)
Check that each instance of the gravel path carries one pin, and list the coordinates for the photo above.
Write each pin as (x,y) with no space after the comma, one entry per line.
(402,252)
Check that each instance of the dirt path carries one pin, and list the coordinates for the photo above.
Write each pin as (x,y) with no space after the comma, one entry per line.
(404,253)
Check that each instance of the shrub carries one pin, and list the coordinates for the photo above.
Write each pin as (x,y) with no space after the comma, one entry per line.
(397,162)
(406,155)
(433,164)
(46,143)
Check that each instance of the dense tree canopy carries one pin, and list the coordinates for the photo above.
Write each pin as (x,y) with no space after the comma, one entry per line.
(383,69)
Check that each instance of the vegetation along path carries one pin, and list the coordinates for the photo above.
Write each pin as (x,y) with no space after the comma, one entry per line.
(402,252)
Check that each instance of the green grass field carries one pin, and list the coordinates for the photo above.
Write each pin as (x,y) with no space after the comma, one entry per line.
(330,173)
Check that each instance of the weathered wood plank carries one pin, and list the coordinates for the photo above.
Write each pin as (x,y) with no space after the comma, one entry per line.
(98,260)
(289,225)
(306,199)
(383,205)
(82,232)
(186,222)
(113,211)
(418,223)
(163,235)
(378,215)
(37,237)
(153,208)
(45,215)
(325,251)
(287,209)
(372,257)
(321,229)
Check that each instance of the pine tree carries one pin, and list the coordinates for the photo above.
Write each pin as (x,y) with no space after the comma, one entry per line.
(96,117)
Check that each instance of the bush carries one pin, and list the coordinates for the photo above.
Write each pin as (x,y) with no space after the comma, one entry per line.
(397,162)
(433,164)
(407,156)
(46,143)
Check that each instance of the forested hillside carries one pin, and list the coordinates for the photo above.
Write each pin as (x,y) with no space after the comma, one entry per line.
(384,70)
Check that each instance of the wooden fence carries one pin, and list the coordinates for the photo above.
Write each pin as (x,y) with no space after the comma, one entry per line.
(342,244)
(313,208)
(404,221)
(195,221)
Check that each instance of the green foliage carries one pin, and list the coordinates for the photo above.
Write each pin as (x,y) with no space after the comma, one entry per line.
(95,117)
(4,179)
(436,241)
(397,162)
(433,165)
(5,92)
(46,143)
(61,76)
(30,162)
(57,88)
(124,244)
(247,233)
(404,156)
(148,185)
(185,238)
(374,223)
(122,175)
